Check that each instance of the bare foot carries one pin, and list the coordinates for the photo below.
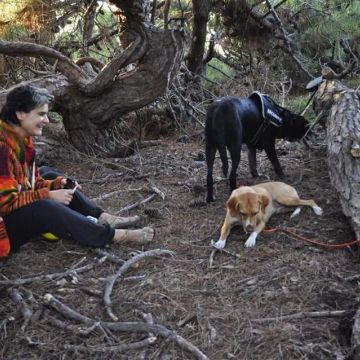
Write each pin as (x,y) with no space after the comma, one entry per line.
(139,236)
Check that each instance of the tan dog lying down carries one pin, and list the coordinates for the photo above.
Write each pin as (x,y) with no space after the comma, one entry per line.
(252,207)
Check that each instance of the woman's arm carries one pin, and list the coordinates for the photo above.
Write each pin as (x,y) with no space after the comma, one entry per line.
(12,196)
(55,184)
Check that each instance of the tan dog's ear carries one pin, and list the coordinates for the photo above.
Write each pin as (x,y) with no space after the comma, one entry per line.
(264,202)
(232,205)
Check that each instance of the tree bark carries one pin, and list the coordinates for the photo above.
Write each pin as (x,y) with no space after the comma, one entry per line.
(90,105)
(342,109)
(201,10)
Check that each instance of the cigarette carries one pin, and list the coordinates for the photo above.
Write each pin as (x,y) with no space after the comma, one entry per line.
(74,189)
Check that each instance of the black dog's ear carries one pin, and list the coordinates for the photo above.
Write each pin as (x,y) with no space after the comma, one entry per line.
(232,204)
(264,202)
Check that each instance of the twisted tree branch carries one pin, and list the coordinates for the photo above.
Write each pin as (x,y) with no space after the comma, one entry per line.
(65,65)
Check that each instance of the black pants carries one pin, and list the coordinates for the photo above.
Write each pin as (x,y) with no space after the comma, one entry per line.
(66,222)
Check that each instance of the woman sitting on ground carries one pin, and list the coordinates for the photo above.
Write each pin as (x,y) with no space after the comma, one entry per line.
(30,205)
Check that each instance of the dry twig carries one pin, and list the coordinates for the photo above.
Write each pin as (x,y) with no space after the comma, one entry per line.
(148,318)
(76,329)
(111,279)
(156,329)
(110,257)
(114,193)
(225,251)
(135,205)
(69,272)
(301,315)
(113,348)
(26,312)
(155,189)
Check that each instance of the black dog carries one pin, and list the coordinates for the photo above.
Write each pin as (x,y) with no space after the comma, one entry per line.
(256,121)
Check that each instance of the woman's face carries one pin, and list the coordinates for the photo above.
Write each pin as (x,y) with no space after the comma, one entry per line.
(32,123)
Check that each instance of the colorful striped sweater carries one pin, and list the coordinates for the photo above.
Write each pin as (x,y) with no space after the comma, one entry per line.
(16,163)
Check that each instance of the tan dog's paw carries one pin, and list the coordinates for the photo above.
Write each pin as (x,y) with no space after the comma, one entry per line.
(318,210)
(251,241)
(295,213)
(220,244)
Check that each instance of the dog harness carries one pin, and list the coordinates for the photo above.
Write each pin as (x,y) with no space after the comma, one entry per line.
(270,114)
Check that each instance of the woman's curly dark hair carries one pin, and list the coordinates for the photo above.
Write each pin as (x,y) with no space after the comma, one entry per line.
(23,98)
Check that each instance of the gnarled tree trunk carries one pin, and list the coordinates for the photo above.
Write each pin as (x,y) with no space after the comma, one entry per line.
(201,10)
(91,103)
(342,111)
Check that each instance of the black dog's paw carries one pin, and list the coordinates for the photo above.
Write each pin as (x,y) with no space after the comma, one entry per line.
(210,199)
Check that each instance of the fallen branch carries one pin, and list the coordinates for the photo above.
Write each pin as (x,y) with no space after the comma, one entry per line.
(111,279)
(113,348)
(76,329)
(26,312)
(147,143)
(212,333)
(127,327)
(69,272)
(211,258)
(301,315)
(116,260)
(186,319)
(148,318)
(352,278)
(112,258)
(155,189)
(114,193)
(225,251)
(135,205)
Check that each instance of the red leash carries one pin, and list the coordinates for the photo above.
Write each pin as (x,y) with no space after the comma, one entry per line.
(296,236)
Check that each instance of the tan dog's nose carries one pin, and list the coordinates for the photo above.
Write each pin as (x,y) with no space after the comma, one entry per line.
(249,228)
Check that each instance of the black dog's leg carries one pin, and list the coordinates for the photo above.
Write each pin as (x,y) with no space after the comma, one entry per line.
(252,161)
(224,159)
(271,154)
(210,158)
(235,153)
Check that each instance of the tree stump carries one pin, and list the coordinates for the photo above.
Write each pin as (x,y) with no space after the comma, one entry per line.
(341,111)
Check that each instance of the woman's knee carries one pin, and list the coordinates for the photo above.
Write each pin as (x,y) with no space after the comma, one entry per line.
(48,208)
(47,204)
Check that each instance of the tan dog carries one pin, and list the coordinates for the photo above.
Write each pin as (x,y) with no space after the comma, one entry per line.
(252,207)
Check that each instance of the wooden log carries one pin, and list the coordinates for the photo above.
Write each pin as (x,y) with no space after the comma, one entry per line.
(341,107)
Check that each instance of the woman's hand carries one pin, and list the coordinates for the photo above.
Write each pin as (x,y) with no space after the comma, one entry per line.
(63,196)
(64,182)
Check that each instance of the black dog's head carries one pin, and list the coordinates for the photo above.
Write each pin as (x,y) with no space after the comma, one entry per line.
(294,127)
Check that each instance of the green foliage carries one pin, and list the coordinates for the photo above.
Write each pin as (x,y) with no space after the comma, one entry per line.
(297,105)
(218,72)
(104,19)
(102,50)
(353,83)
(330,23)
(179,15)
(13,32)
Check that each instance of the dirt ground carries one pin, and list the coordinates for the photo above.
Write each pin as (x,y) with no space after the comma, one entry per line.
(283,299)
